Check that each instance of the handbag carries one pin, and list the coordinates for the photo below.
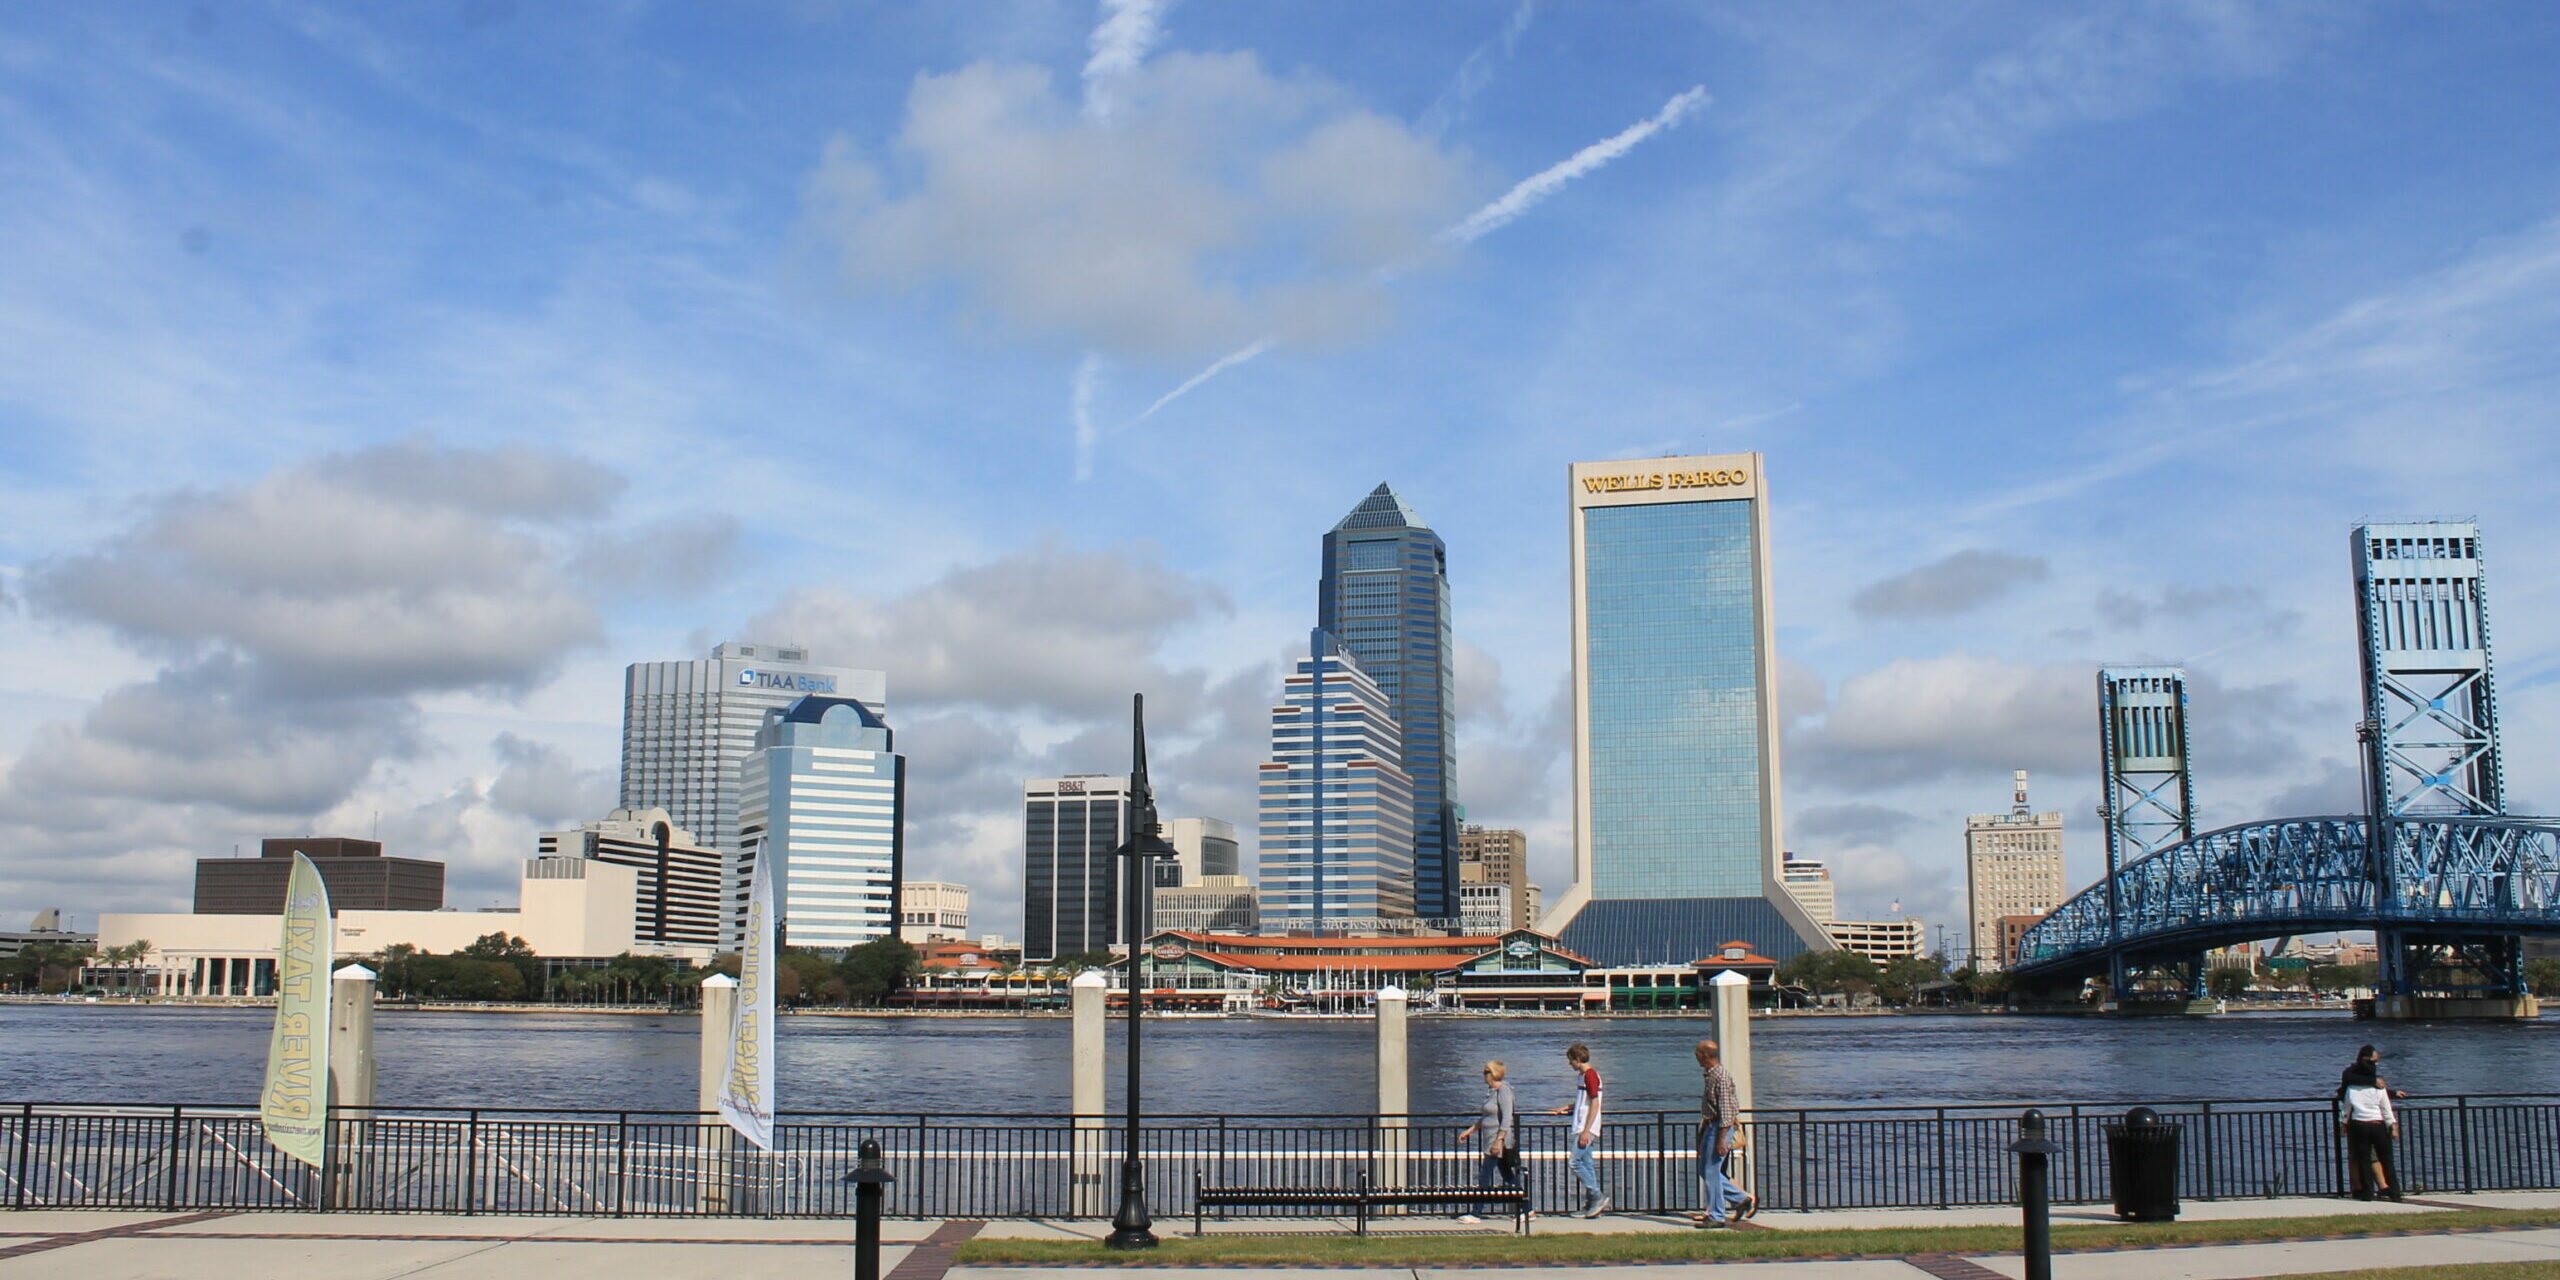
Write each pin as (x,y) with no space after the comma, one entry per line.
(1508,1160)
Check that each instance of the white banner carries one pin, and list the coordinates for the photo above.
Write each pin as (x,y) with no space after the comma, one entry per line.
(294,1104)
(746,1088)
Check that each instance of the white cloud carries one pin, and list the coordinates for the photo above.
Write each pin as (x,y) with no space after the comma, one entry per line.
(1918,719)
(1051,629)
(1219,204)
(545,784)
(1958,583)
(385,572)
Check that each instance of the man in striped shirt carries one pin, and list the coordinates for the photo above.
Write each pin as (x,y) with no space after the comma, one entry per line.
(1719,1134)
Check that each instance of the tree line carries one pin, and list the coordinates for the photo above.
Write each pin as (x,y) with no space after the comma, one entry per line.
(501,968)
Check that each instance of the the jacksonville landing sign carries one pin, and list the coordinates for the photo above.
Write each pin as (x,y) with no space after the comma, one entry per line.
(792,681)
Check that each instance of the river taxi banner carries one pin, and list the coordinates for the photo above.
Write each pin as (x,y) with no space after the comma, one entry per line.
(746,1089)
(294,1105)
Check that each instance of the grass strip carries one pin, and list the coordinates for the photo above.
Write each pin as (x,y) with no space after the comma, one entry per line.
(2443,1271)
(1308,1249)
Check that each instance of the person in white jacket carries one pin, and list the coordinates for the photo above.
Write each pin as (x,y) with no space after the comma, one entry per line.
(2366,1117)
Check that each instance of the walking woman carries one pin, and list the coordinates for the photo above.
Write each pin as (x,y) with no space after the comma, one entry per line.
(1495,1132)
(2366,1117)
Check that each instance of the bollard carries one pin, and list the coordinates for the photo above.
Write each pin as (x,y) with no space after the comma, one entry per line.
(1394,1134)
(351,1075)
(714,1139)
(868,1177)
(1731,993)
(1092,1161)
(2033,1148)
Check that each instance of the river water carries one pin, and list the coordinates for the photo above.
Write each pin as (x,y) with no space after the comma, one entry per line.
(1259,1066)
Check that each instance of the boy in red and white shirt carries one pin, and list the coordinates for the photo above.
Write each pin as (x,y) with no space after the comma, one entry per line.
(1586,1130)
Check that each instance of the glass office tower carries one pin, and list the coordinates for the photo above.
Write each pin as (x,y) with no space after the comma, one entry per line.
(1676,830)
(1337,808)
(822,806)
(1072,886)
(688,728)
(1384,598)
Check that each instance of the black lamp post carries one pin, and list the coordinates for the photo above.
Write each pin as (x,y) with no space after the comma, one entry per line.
(1131,1227)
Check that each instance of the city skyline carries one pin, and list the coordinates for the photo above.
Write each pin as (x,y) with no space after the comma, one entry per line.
(388,383)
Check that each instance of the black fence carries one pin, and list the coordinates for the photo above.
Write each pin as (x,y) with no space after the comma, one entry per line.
(651,1163)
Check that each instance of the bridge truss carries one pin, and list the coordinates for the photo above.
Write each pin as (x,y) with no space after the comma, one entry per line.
(2446,880)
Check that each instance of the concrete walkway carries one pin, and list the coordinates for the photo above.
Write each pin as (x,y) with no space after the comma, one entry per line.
(252,1246)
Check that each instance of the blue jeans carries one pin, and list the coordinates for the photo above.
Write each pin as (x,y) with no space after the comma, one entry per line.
(1489,1167)
(1585,1163)
(1722,1195)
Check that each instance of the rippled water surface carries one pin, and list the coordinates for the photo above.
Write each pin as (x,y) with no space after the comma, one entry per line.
(87,1053)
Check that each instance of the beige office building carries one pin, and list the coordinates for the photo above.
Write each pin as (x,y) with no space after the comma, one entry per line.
(1497,855)
(2013,867)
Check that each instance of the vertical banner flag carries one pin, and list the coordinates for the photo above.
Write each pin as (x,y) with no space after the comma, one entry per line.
(746,1091)
(294,1105)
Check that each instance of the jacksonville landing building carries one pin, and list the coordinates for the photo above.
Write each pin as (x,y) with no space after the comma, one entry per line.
(1676,846)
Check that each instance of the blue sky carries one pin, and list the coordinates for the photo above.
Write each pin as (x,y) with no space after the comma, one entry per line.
(376,382)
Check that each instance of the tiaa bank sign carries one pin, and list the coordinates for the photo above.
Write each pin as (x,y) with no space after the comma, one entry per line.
(794,681)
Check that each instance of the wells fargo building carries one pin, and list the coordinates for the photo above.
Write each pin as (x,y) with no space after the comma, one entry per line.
(1676,844)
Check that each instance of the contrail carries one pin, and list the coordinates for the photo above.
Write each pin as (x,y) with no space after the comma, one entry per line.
(1513,203)
(1088,379)
(1524,197)
(1224,363)
(1120,42)
(1475,73)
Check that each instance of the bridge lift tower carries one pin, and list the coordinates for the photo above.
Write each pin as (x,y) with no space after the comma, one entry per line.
(2145,796)
(2430,732)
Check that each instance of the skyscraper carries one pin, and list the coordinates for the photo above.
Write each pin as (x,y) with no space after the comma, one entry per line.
(688,727)
(823,798)
(1676,842)
(1337,808)
(1071,879)
(2012,867)
(1384,597)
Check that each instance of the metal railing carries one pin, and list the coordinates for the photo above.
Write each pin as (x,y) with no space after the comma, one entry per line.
(609,1163)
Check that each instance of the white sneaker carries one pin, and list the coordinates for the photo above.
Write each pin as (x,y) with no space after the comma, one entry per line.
(1470,1219)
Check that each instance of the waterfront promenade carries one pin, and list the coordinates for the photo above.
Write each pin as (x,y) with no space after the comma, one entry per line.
(251,1246)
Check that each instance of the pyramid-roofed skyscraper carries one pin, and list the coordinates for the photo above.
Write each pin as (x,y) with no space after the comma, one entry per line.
(1384,597)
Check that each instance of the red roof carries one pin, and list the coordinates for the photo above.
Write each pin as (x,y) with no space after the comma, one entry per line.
(1338,964)
(1748,959)
(1468,945)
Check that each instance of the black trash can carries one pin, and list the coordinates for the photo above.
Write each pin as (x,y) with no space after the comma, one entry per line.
(2142,1160)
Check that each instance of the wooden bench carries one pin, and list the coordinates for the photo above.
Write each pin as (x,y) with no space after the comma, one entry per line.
(1360,1199)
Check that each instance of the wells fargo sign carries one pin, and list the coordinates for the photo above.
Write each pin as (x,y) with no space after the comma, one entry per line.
(1716,479)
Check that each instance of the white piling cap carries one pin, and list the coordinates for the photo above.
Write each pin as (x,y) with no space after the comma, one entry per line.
(354,973)
(1729,978)
(1090,978)
(1392,992)
(719,980)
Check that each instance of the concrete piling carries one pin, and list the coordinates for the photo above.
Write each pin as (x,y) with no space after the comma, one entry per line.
(718,1140)
(1394,1086)
(1092,1165)
(351,1073)
(1733,1040)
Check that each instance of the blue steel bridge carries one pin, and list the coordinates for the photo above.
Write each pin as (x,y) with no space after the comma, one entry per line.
(2446,880)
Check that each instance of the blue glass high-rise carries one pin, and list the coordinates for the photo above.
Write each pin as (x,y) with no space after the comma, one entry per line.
(1384,598)
(1677,846)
